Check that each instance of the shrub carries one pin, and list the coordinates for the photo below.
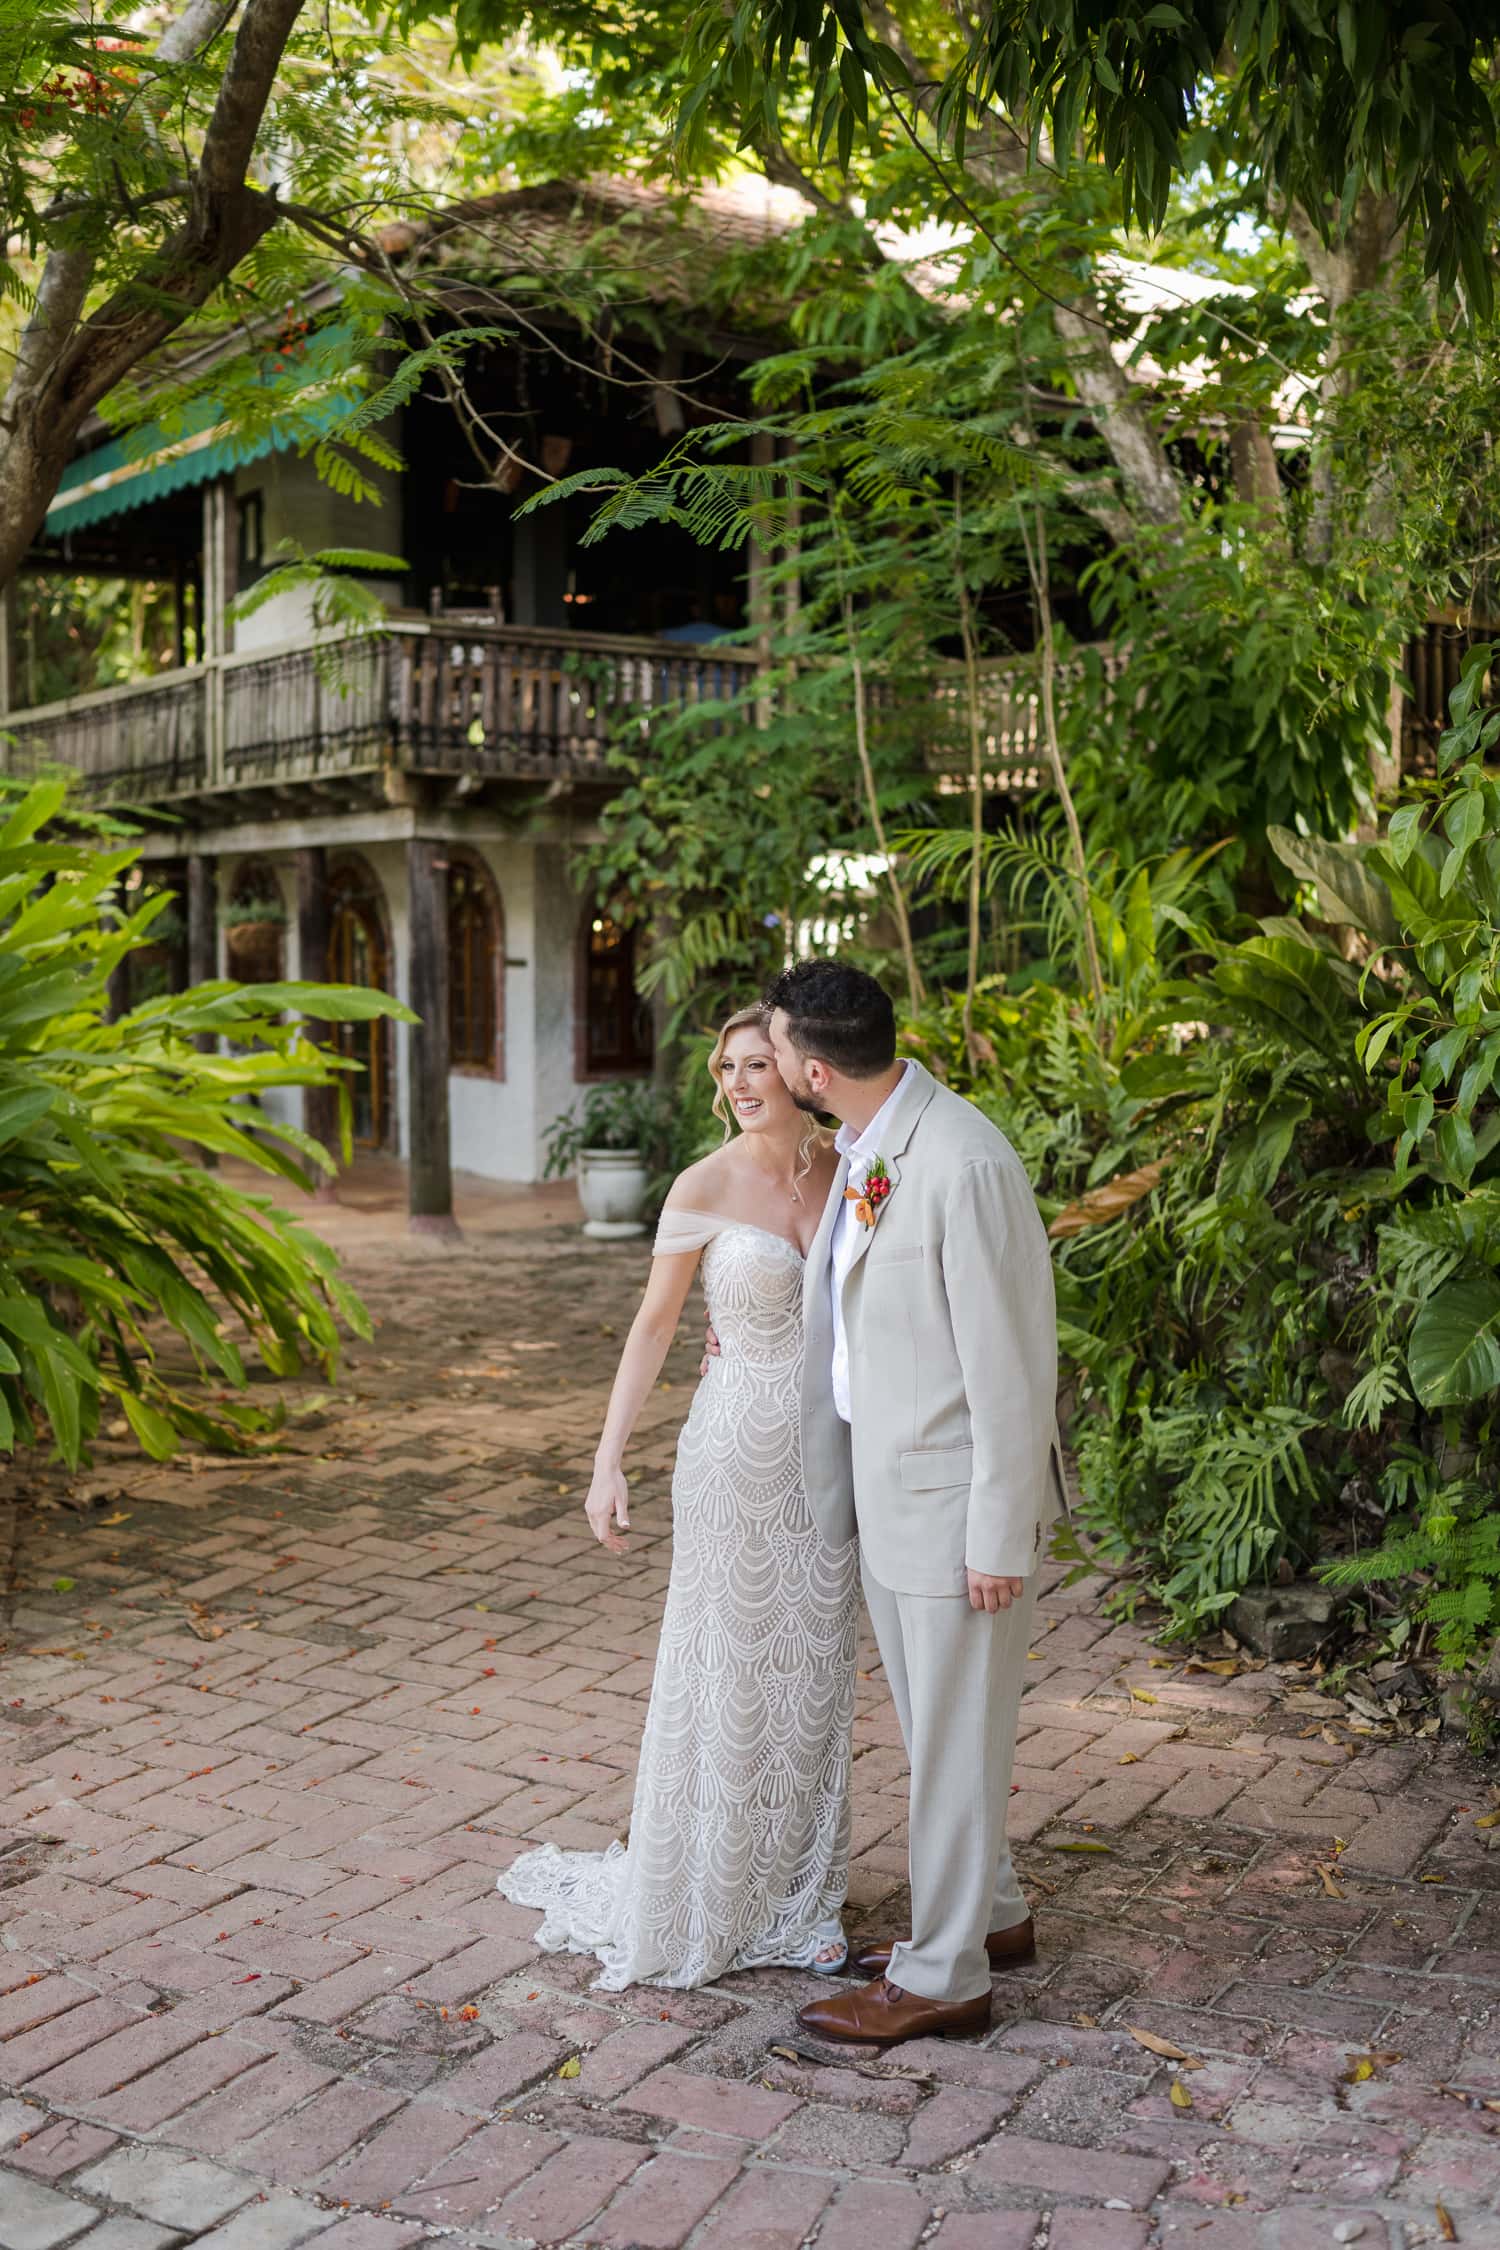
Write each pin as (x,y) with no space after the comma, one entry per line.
(110,1226)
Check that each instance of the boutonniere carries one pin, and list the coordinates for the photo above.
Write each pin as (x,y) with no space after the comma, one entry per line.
(868,1199)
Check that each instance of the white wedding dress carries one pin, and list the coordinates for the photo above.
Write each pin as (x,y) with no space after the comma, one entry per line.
(738,1854)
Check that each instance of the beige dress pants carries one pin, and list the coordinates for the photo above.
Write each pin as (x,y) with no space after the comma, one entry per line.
(955,1676)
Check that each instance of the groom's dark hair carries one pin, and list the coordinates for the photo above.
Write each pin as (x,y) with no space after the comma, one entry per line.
(838,1015)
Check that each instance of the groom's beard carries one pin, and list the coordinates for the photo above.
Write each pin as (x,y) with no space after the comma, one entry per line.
(807,1103)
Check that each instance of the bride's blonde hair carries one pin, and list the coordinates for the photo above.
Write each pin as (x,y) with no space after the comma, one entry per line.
(757,1019)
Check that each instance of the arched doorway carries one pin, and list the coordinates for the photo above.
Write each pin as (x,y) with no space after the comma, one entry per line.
(476,968)
(359,952)
(614,1023)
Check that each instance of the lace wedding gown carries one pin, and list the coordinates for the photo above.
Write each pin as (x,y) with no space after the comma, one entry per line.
(738,1854)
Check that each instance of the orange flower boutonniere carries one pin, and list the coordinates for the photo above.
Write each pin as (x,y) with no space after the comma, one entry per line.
(868,1199)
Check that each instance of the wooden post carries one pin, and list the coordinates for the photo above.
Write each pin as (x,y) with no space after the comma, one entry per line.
(320,1104)
(429,1157)
(202,920)
(202,950)
(9,700)
(214,636)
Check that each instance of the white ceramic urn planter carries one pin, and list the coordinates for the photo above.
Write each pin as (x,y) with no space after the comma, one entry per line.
(612,1185)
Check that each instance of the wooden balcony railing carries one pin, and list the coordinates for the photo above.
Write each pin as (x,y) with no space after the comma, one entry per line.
(155,732)
(451,698)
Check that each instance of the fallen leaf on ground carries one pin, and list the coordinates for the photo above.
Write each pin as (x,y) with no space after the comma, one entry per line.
(1141,1696)
(1086,2023)
(1178,2095)
(570,2068)
(1325,1876)
(1129,1758)
(1488,1820)
(1446,2227)
(1081,1848)
(1166,2048)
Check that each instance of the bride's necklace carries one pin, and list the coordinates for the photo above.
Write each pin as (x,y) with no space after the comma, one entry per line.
(789,1188)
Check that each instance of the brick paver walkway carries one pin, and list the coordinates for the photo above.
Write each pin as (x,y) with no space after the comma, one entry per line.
(263,1757)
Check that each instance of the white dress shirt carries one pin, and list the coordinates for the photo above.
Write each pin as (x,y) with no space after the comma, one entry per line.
(861,1150)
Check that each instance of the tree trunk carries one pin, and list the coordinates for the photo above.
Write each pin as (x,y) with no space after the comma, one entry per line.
(1360,263)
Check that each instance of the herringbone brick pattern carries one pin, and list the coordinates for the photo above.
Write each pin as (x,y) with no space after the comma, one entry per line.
(264,1756)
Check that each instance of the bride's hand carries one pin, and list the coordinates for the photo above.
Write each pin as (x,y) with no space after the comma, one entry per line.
(608,1505)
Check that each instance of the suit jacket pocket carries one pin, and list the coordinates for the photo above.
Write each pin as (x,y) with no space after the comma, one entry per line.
(937,1468)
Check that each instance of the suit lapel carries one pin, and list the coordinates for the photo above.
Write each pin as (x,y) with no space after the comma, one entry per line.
(815,1272)
(895,1137)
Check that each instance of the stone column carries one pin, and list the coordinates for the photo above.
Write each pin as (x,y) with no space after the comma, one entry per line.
(320,1108)
(429,1158)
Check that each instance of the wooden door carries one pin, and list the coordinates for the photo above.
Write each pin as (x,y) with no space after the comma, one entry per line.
(358,954)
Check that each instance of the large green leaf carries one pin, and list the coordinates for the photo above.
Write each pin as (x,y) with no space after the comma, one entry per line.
(21,1106)
(1349,889)
(1290,989)
(104,1227)
(1454,1353)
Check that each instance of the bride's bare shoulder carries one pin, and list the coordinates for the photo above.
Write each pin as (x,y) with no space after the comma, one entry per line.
(702,1187)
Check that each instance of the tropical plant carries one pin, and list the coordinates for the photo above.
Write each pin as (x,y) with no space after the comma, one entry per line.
(134,1279)
(1444,1554)
(1272,1168)
(628,1113)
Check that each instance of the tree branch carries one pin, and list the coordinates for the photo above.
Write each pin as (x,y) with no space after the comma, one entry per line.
(65,364)
(997,155)
(229,142)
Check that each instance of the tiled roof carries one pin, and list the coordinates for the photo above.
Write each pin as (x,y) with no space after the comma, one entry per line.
(663,245)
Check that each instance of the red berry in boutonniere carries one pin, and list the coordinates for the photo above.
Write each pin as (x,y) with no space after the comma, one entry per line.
(868,1199)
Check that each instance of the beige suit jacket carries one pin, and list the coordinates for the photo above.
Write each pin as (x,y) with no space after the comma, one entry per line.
(951,1462)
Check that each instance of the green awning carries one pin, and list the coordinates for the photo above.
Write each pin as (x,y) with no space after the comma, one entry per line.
(145,465)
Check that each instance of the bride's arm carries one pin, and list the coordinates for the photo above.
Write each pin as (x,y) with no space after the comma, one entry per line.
(646,1347)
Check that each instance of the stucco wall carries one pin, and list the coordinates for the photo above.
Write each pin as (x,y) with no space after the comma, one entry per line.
(298,505)
(498,1127)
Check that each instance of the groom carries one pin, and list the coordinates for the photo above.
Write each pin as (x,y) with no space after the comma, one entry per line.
(929,1429)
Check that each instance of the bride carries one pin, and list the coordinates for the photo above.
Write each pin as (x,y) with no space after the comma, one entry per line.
(738,1854)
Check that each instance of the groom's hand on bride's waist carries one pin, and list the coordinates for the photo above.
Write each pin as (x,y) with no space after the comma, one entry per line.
(710,1347)
(993,1593)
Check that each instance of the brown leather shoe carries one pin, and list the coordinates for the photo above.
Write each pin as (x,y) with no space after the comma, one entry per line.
(1007,1949)
(881,2014)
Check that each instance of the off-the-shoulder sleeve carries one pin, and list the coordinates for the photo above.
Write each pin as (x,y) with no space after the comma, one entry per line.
(681,1231)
